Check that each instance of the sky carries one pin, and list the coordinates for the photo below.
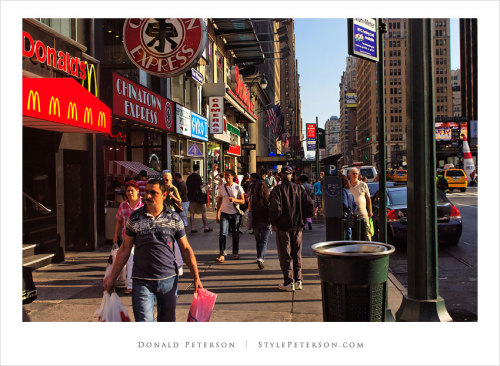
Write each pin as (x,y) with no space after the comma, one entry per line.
(321,51)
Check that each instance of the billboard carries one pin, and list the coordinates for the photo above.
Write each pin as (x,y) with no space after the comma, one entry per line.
(351,100)
(311,136)
(363,38)
(450,131)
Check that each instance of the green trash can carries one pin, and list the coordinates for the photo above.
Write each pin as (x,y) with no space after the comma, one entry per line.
(353,280)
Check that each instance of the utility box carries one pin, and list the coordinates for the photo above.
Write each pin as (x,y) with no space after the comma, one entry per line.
(353,280)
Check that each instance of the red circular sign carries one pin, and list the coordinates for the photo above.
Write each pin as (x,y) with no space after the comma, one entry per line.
(164,47)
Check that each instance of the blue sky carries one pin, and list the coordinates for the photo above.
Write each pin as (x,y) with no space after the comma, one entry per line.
(321,50)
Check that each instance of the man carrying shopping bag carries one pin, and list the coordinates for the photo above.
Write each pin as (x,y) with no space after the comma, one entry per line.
(153,229)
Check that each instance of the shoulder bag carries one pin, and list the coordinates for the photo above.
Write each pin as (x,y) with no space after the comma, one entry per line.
(236,206)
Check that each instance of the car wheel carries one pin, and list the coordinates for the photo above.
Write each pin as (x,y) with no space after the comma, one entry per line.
(462,189)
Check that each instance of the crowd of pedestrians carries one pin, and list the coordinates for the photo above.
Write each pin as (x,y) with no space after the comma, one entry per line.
(151,229)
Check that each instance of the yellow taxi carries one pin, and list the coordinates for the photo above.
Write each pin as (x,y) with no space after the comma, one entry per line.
(456,178)
(399,175)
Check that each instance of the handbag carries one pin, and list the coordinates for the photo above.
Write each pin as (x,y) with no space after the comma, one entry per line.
(236,206)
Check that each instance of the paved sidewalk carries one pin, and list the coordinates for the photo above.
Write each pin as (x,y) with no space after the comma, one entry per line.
(72,290)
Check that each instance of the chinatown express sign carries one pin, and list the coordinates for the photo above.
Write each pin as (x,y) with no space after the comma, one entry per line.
(164,47)
(133,101)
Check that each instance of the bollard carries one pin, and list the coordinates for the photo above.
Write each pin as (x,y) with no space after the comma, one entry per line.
(353,280)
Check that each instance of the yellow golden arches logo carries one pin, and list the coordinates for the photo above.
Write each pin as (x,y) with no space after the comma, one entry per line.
(74,112)
(87,117)
(34,99)
(101,121)
(91,75)
(53,106)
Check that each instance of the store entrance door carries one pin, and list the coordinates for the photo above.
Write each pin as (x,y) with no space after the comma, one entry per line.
(77,201)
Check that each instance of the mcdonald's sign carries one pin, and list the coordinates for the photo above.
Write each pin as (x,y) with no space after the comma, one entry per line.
(87,117)
(74,111)
(91,79)
(101,122)
(33,100)
(43,99)
(54,105)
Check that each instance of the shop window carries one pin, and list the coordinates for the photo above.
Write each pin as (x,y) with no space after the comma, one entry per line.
(64,26)
(177,85)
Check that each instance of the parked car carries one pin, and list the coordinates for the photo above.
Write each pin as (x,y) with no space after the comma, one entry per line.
(373,187)
(400,175)
(456,178)
(367,171)
(449,220)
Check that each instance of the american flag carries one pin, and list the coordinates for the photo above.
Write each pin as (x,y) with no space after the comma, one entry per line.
(272,114)
(276,120)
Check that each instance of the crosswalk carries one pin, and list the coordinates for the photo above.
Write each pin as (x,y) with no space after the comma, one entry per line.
(461,194)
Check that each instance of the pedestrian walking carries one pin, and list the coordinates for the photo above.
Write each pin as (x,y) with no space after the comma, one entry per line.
(153,229)
(197,199)
(361,194)
(318,197)
(143,180)
(173,199)
(228,214)
(270,181)
(132,203)
(288,207)
(258,210)
(182,188)
(349,208)
(303,181)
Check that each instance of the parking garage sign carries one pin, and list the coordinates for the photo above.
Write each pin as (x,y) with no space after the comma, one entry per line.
(363,38)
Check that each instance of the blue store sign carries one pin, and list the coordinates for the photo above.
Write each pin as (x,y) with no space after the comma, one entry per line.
(363,38)
(199,127)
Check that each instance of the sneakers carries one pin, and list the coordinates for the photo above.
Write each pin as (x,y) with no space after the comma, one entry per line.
(260,263)
(298,285)
(290,287)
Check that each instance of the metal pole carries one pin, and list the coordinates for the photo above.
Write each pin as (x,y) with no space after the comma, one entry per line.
(317,151)
(422,303)
(382,219)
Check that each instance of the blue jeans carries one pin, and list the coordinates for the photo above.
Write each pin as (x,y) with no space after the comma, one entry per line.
(143,299)
(225,221)
(261,234)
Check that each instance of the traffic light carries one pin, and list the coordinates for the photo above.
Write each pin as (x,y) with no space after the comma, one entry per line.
(367,138)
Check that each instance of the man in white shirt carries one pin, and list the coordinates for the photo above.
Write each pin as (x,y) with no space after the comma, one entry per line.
(229,194)
(361,195)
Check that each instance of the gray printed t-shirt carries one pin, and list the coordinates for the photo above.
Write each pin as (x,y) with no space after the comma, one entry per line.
(154,256)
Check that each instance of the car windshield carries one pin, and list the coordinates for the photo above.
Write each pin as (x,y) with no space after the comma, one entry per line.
(401,172)
(455,173)
(397,197)
(367,172)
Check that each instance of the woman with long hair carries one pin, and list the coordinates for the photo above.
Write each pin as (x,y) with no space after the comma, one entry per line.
(132,203)
(258,207)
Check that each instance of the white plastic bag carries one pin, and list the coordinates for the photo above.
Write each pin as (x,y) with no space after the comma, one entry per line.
(112,309)
(122,277)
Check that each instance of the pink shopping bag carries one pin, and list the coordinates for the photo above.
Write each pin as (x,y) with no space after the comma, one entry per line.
(202,306)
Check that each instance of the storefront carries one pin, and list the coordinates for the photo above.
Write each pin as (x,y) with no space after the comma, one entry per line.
(61,119)
(188,147)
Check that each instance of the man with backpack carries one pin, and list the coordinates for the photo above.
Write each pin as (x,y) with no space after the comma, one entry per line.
(289,206)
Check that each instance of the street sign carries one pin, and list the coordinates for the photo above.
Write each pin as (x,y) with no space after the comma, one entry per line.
(363,38)
(248,146)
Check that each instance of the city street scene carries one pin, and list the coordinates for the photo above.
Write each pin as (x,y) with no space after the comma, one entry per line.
(227,170)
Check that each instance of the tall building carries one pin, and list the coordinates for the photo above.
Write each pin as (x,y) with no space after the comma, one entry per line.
(395,50)
(348,105)
(332,136)
(290,100)
(456,94)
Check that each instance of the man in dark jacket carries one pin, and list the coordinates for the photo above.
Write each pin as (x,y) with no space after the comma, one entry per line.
(289,206)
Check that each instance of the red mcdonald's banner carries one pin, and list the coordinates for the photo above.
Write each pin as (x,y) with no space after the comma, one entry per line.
(62,104)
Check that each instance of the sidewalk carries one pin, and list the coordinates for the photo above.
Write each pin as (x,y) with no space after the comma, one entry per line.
(72,290)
